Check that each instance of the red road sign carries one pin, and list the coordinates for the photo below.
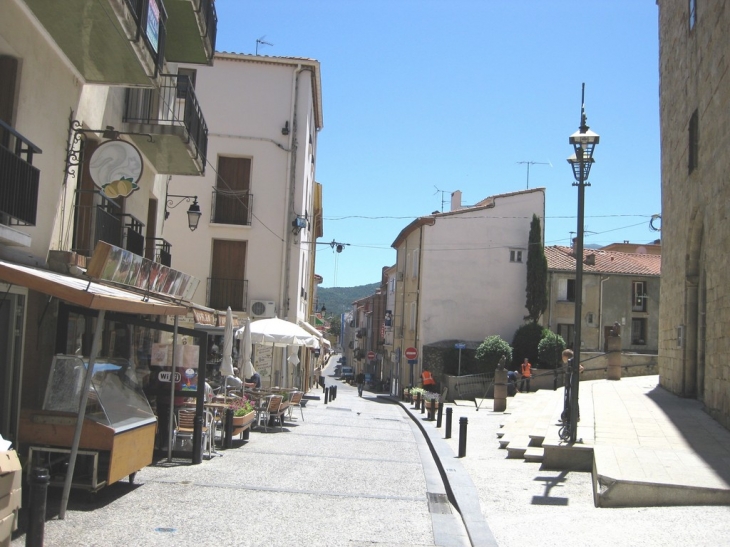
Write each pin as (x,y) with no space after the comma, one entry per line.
(411,353)
(371,356)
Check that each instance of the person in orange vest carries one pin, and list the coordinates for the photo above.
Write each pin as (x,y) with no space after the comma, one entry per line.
(526,374)
(429,384)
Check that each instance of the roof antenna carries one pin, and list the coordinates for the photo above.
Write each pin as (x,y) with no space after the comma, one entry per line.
(442,196)
(528,168)
(262,42)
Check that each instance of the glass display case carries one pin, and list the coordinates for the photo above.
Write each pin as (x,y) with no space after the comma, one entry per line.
(118,435)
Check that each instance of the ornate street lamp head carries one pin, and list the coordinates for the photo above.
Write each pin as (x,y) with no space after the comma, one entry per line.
(584,142)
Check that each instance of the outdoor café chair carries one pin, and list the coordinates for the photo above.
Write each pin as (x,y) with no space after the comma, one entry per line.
(295,399)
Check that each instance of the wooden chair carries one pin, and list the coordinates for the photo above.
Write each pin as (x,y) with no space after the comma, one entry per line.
(295,399)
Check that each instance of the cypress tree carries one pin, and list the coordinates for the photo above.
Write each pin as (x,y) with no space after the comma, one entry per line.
(537,269)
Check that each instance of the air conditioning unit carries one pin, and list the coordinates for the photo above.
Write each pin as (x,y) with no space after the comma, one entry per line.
(263,308)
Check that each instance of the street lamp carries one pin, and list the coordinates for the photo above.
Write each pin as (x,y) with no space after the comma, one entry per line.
(584,142)
(194,213)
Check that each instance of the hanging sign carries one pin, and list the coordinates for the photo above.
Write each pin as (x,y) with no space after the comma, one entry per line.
(116,166)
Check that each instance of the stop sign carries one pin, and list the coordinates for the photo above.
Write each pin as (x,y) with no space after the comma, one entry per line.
(371,356)
(411,353)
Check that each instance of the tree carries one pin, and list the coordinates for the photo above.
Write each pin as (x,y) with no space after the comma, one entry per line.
(525,342)
(335,326)
(492,350)
(550,350)
(537,270)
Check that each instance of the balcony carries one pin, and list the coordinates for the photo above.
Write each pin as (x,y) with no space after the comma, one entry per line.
(231,207)
(222,293)
(172,116)
(18,182)
(159,250)
(111,42)
(191,31)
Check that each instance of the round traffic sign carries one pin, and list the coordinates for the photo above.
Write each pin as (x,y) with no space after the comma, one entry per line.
(371,356)
(411,353)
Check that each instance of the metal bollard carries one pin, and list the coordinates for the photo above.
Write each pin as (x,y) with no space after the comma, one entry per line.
(335,395)
(431,409)
(228,429)
(418,400)
(423,405)
(449,412)
(439,414)
(463,421)
(326,394)
(37,511)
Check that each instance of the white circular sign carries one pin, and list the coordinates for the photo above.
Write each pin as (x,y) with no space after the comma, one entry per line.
(116,166)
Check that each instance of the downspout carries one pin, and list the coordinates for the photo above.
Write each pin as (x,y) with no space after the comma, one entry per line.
(418,297)
(289,197)
(600,314)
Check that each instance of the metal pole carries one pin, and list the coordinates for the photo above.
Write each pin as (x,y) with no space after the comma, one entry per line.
(578,306)
(200,401)
(449,412)
(37,513)
(82,414)
(459,373)
(463,421)
(439,414)
(171,421)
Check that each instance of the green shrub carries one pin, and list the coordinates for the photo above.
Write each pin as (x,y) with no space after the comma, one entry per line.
(525,342)
(550,350)
(492,350)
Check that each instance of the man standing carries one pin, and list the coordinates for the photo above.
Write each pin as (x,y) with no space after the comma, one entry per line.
(526,374)
(429,384)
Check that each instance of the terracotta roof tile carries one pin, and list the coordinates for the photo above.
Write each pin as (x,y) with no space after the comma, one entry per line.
(561,259)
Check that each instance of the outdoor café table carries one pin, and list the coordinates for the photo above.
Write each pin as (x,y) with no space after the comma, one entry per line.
(219,411)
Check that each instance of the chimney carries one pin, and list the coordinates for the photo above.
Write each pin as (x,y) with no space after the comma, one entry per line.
(456,200)
(591,259)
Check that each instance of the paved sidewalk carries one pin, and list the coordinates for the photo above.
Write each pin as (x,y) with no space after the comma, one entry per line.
(523,503)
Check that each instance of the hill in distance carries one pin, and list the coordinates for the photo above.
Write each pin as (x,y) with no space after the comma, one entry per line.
(339,299)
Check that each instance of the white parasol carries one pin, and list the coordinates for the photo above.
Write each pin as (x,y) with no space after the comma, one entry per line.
(227,362)
(245,367)
(279,333)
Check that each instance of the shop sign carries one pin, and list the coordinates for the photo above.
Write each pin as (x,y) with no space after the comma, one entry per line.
(116,166)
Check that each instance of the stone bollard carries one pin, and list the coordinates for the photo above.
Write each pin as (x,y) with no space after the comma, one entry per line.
(463,422)
(449,412)
(500,390)
(37,514)
(614,358)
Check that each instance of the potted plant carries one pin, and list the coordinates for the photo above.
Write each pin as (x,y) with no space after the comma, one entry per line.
(243,413)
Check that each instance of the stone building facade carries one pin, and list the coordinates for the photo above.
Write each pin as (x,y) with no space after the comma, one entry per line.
(695,134)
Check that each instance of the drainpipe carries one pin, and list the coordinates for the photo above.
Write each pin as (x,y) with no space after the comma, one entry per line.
(600,314)
(289,198)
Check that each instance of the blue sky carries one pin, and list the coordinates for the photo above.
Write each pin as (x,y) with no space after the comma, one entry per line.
(422,97)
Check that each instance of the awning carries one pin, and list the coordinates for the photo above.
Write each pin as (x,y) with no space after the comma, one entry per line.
(309,328)
(83,292)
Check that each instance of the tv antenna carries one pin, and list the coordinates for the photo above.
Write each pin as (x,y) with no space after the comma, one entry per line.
(442,196)
(262,42)
(528,163)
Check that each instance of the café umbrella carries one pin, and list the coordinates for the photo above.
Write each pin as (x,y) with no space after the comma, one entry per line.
(245,367)
(227,362)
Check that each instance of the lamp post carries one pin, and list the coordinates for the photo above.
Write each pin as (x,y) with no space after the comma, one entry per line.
(584,142)
(194,213)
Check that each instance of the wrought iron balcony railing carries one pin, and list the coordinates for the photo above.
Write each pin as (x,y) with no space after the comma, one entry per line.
(151,19)
(133,233)
(175,104)
(211,21)
(96,218)
(227,292)
(159,250)
(232,207)
(19,180)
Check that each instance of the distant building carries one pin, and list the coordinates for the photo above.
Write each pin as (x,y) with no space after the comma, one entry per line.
(461,274)
(618,288)
(695,130)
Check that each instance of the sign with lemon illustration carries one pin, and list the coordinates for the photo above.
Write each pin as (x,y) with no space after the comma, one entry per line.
(116,166)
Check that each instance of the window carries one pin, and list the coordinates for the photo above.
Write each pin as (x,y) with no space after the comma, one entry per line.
(566,290)
(232,198)
(515,255)
(412,325)
(638,332)
(694,138)
(567,332)
(391,284)
(226,285)
(186,76)
(638,296)
(692,13)
(415,263)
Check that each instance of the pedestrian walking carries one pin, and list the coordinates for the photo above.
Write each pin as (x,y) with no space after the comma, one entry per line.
(526,374)
(360,383)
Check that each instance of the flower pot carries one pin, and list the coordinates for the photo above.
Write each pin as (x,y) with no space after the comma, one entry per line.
(240,423)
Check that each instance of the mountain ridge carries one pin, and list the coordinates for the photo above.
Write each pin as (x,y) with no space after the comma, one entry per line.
(338,300)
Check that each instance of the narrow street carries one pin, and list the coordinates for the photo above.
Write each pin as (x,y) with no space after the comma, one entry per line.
(356,471)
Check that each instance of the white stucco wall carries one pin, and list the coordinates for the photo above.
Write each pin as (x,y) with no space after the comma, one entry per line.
(469,288)
(246,105)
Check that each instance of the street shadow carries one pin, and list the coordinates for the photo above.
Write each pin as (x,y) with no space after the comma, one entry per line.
(550,484)
(708,439)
